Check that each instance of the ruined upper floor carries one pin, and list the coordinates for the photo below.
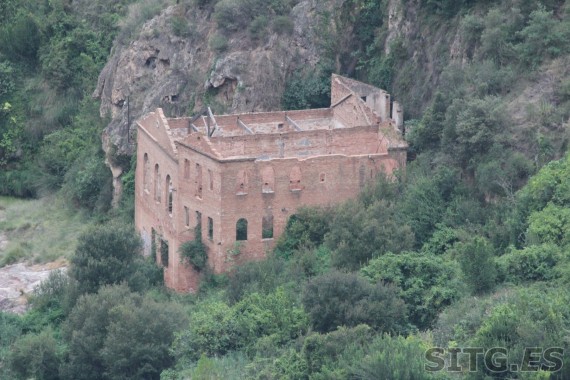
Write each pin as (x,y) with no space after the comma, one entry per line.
(362,119)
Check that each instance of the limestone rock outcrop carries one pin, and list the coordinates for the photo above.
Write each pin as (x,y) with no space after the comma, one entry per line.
(174,72)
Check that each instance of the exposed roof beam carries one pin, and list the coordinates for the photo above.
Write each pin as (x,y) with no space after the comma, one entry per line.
(245,127)
(341,100)
(293,123)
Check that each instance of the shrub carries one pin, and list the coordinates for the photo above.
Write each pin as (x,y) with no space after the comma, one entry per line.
(180,26)
(218,43)
(340,299)
(283,25)
(428,283)
(359,232)
(106,255)
(257,27)
(195,252)
(35,356)
(479,269)
(534,263)
(306,228)
(120,334)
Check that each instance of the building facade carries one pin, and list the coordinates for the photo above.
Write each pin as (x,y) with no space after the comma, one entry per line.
(240,177)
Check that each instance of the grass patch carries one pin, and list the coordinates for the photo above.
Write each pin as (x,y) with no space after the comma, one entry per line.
(39,230)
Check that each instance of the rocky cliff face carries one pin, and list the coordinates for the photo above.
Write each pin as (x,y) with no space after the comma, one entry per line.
(162,69)
(179,71)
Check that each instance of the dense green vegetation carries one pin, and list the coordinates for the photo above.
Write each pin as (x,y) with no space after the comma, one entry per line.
(469,247)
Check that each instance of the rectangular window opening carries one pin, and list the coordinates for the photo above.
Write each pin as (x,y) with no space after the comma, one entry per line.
(186,216)
(164,252)
(210,229)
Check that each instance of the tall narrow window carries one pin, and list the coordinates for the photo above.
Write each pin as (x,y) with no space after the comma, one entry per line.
(157,188)
(186,168)
(267,226)
(211,179)
(362,176)
(295,179)
(241,229)
(241,182)
(164,252)
(267,180)
(198,181)
(210,229)
(186,216)
(146,174)
(169,194)
(198,219)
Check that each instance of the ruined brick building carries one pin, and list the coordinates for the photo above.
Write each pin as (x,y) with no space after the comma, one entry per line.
(241,176)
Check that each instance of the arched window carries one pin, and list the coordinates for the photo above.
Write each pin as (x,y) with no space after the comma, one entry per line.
(267,180)
(295,179)
(241,182)
(146,174)
(169,194)
(157,183)
(241,229)
(267,226)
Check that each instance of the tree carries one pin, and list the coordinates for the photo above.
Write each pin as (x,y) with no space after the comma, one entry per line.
(342,299)
(35,356)
(107,255)
(479,269)
(358,233)
(117,334)
(428,283)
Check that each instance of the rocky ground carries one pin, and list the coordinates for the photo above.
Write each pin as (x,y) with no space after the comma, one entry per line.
(19,280)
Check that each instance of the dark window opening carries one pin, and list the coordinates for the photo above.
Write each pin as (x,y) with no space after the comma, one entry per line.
(198,219)
(157,183)
(186,216)
(267,227)
(210,229)
(153,244)
(169,194)
(363,98)
(186,168)
(211,179)
(198,181)
(241,230)
(280,125)
(146,170)
(164,252)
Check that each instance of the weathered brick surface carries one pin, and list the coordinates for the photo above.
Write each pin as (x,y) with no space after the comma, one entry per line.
(269,174)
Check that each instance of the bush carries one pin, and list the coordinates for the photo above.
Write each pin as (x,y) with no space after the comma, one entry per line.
(106,255)
(340,299)
(477,264)
(120,334)
(283,25)
(257,27)
(428,283)
(262,277)
(218,43)
(195,252)
(306,228)
(35,356)
(534,263)
(359,233)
